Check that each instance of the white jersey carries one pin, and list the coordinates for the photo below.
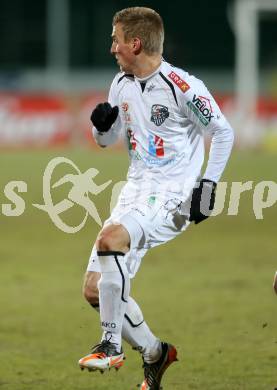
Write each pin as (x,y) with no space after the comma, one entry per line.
(163,119)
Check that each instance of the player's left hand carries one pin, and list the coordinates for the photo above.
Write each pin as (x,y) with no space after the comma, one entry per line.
(202,201)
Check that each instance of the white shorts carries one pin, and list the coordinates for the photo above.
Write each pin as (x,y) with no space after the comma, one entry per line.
(150,219)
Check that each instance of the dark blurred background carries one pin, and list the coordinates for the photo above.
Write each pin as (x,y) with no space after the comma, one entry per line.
(64,46)
(198,33)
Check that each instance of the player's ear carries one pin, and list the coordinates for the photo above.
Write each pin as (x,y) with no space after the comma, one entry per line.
(137,47)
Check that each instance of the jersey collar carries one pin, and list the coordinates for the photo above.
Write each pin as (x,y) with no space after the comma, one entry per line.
(144,79)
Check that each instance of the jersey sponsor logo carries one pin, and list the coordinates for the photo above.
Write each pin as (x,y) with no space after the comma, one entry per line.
(201,106)
(132,143)
(184,87)
(126,115)
(156,146)
(159,113)
(125,106)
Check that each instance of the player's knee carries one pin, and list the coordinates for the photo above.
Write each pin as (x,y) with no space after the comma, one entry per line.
(105,243)
(111,284)
(113,238)
(108,240)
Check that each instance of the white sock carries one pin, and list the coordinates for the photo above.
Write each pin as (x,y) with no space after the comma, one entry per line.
(114,289)
(136,332)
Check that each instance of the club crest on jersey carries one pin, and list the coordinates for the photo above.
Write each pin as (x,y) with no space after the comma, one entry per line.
(159,113)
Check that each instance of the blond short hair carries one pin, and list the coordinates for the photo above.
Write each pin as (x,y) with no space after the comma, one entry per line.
(143,23)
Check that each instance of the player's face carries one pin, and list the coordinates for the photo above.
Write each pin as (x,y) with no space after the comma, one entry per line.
(123,51)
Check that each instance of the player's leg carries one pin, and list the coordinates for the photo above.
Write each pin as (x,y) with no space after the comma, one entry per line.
(114,286)
(135,330)
(113,242)
(171,225)
(114,300)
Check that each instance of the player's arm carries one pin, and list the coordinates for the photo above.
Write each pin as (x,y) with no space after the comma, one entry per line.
(203,111)
(221,145)
(103,117)
(106,119)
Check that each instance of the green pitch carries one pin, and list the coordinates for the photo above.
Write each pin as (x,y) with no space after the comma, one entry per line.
(208,292)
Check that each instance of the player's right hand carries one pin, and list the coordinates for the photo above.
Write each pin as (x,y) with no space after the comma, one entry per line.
(103,116)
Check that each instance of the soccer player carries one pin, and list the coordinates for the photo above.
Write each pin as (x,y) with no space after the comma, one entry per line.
(162,112)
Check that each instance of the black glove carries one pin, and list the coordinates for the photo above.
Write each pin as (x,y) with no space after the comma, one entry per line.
(202,201)
(103,116)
